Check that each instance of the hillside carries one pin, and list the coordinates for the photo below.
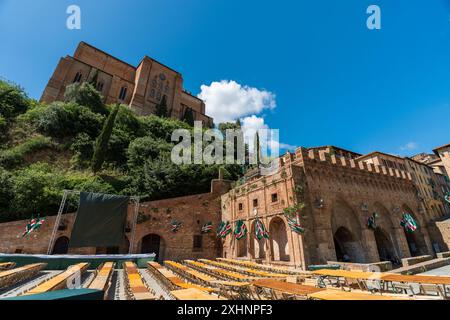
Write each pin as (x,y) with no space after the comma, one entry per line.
(45,149)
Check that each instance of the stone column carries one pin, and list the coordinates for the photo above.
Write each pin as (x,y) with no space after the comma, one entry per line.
(369,244)
(399,234)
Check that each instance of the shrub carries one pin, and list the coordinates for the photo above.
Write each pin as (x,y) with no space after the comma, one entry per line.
(85,95)
(15,156)
(143,149)
(13,100)
(61,120)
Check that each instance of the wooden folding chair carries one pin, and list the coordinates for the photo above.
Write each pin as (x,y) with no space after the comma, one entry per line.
(432,290)
(403,288)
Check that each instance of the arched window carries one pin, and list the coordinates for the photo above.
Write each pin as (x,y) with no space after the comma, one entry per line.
(99,86)
(123,93)
(77,77)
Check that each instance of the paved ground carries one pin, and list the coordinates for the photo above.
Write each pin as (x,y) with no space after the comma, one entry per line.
(443,271)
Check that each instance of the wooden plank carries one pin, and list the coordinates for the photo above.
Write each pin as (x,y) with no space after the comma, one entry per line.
(342,295)
(193,294)
(290,288)
(416,279)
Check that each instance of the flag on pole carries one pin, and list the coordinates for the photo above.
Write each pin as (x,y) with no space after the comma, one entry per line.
(240,232)
(175,225)
(207,227)
(372,221)
(447,198)
(295,226)
(408,223)
(260,230)
(224,229)
(33,225)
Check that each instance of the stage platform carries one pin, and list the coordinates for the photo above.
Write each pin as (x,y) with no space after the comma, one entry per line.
(61,262)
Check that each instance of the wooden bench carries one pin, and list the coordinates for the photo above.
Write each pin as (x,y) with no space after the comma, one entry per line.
(246,271)
(330,294)
(7,265)
(137,289)
(61,280)
(279,290)
(102,280)
(219,272)
(170,280)
(273,269)
(13,276)
(193,294)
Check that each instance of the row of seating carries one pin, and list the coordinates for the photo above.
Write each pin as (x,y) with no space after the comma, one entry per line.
(259,266)
(7,265)
(136,288)
(247,271)
(13,276)
(171,281)
(61,280)
(219,272)
(102,280)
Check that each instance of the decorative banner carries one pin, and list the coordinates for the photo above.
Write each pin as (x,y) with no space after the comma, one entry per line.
(447,198)
(240,232)
(372,221)
(33,225)
(295,226)
(207,227)
(224,229)
(260,230)
(408,223)
(175,225)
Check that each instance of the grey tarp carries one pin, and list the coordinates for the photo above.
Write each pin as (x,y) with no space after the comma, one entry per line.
(100,221)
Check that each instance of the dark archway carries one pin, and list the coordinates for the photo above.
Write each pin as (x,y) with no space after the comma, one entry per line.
(416,240)
(153,243)
(346,246)
(385,247)
(61,246)
(346,231)
(257,248)
(279,240)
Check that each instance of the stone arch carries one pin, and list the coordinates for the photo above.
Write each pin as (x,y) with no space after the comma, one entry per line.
(61,245)
(386,241)
(416,240)
(279,240)
(153,243)
(346,229)
(241,247)
(257,247)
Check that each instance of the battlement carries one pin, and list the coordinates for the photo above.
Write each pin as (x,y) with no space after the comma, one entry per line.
(323,156)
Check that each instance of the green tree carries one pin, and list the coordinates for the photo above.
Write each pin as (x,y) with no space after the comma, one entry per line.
(13,100)
(86,95)
(161,108)
(102,141)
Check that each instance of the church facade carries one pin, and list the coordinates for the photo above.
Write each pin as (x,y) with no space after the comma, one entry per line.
(142,87)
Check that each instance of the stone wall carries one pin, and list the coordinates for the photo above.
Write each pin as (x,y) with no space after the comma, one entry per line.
(155,219)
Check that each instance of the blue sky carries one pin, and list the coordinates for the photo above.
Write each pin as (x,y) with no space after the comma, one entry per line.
(333,81)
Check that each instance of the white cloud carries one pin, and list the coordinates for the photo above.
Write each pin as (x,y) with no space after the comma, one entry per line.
(227,100)
(410,146)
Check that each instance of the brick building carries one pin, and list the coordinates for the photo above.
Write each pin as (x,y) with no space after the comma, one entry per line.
(153,231)
(339,194)
(142,87)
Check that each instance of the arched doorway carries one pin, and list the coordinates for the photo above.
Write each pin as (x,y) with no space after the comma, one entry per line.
(279,240)
(385,235)
(346,230)
(346,246)
(241,248)
(416,241)
(257,247)
(61,246)
(384,245)
(153,243)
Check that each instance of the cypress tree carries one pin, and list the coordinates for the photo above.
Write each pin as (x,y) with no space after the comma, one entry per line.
(101,144)
(189,117)
(161,108)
